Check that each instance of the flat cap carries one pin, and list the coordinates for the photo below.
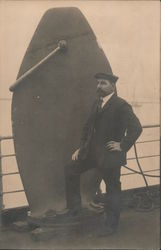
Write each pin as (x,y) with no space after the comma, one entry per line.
(107,76)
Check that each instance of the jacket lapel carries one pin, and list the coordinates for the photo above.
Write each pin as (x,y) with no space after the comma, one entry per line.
(109,103)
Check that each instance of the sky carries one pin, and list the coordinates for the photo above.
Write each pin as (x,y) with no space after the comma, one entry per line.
(128,32)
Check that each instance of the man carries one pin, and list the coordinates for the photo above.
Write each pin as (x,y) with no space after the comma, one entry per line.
(110,131)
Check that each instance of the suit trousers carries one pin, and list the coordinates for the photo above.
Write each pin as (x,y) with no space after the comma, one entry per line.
(111,177)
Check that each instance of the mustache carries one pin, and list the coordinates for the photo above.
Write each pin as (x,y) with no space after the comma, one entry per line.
(100,91)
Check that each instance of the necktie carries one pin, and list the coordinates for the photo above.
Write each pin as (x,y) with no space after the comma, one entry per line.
(99,105)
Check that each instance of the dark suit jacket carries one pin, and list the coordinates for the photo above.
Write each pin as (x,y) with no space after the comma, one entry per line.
(116,122)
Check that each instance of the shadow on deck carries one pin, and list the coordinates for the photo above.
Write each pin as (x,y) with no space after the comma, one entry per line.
(137,230)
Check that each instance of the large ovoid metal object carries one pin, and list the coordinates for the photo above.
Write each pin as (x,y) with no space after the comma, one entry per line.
(51,104)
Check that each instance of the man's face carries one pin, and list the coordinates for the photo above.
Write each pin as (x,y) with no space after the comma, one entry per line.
(104,87)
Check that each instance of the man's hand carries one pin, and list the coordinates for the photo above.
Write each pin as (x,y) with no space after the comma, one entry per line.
(75,155)
(113,146)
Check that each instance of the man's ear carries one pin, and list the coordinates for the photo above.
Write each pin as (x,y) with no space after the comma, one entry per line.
(113,85)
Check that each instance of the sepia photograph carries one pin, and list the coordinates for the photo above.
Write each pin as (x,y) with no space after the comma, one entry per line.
(80,124)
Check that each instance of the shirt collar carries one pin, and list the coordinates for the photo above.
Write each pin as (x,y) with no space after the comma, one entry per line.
(107,98)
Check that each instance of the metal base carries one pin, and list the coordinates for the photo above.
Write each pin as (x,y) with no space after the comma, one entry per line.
(69,227)
(50,225)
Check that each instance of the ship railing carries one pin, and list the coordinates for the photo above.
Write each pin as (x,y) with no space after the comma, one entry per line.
(3,138)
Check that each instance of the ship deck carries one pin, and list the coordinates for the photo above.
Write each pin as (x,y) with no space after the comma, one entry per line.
(137,230)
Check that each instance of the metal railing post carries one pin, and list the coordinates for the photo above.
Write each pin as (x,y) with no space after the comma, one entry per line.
(1,187)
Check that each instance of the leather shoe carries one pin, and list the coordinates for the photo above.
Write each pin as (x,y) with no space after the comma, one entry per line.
(68,213)
(107,231)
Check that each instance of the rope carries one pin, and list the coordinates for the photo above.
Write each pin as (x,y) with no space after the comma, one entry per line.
(141,171)
(145,201)
(137,172)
